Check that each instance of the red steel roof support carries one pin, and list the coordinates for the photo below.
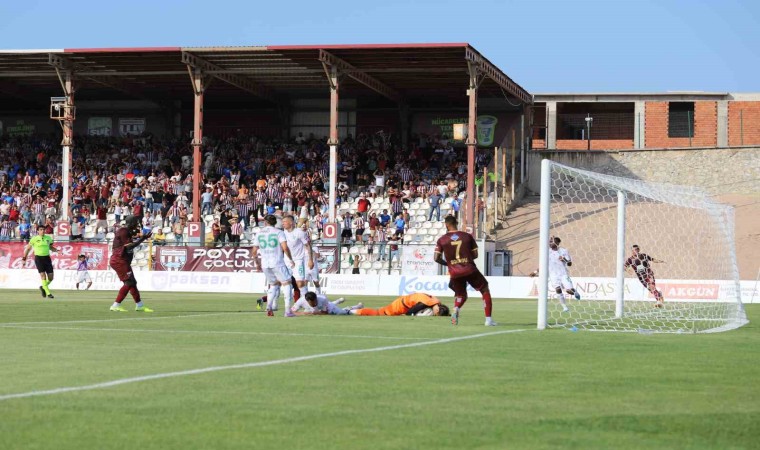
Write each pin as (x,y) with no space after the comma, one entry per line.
(357,74)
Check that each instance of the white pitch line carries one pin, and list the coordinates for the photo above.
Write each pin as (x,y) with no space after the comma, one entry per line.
(202,332)
(182,373)
(180,316)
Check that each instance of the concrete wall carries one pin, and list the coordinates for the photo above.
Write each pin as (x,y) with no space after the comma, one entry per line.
(718,171)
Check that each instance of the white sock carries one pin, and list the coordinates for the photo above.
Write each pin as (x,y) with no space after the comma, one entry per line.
(115,304)
(273,294)
(287,291)
(319,290)
(562,300)
(139,304)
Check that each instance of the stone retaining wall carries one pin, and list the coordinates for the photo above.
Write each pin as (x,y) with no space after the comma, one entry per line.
(716,170)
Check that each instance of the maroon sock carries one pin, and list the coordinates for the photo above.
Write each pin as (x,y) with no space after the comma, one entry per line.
(459,301)
(135,293)
(487,305)
(122,293)
(296,289)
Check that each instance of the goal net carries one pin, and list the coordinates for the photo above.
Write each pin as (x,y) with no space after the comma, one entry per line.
(684,278)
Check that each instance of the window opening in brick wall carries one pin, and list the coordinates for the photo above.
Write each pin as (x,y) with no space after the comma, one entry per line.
(680,119)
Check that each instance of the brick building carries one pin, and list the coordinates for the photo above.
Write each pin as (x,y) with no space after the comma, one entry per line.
(639,121)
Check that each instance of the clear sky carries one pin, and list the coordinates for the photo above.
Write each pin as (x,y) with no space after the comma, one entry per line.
(545,45)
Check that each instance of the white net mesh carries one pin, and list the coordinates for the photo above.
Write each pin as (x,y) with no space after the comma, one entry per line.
(680,226)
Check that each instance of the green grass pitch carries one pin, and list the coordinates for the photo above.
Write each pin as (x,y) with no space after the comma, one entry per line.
(522,389)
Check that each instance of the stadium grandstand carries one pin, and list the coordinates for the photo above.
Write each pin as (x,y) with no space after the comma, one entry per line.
(360,135)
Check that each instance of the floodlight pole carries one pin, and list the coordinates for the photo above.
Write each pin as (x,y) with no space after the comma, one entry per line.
(200,83)
(68,143)
(333,140)
(472,93)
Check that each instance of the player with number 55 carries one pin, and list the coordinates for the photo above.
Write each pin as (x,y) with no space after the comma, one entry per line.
(272,244)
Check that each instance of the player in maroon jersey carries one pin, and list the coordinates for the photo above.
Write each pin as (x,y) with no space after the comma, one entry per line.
(124,243)
(460,250)
(639,262)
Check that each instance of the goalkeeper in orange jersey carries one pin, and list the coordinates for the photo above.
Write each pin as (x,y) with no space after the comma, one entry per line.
(407,305)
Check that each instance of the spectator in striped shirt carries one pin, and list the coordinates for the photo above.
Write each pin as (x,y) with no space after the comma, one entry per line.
(6,228)
(406,174)
(345,234)
(236,230)
(244,208)
(359,226)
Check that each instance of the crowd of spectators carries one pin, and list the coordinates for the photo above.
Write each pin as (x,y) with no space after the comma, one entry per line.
(244,178)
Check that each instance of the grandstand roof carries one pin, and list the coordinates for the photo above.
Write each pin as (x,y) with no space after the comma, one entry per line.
(417,74)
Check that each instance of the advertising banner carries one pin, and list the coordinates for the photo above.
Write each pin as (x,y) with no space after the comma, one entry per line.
(66,258)
(491,129)
(99,126)
(355,286)
(340,284)
(327,258)
(202,259)
(418,260)
(131,126)
(20,129)
(228,259)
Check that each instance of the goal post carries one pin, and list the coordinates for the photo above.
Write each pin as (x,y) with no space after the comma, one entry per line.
(684,277)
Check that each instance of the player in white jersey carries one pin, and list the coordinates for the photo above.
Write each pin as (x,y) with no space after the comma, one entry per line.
(559,278)
(272,245)
(300,248)
(315,304)
(83,276)
(313,274)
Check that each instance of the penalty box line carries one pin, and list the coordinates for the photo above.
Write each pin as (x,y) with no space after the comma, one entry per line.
(220,332)
(182,373)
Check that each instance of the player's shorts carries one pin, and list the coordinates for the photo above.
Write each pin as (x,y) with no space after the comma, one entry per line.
(123,270)
(280,274)
(346,233)
(647,279)
(335,310)
(313,274)
(299,271)
(44,264)
(475,279)
(561,283)
(84,277)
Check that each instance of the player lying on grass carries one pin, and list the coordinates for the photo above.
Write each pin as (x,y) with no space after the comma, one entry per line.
(639,262)
(407,305)
(559,278)
(314,304)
